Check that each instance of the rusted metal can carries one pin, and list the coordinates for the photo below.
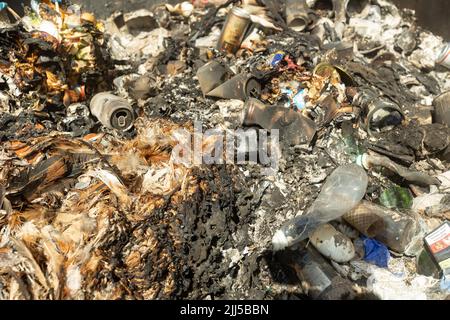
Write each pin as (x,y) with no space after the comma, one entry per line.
(234,30)
(378,113)
(444,57)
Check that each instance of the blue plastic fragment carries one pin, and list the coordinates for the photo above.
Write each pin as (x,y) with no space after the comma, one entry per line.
(3,5)
(445,284)
(375,252)
(299,100)
(287,91)
(277,58)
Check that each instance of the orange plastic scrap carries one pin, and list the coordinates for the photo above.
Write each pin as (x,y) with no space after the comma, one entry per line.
(93,137)
(94,189)
(29,154)
(88,17)
(69,146)
(67,99)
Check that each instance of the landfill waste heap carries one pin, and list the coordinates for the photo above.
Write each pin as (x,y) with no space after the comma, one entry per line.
(98,202)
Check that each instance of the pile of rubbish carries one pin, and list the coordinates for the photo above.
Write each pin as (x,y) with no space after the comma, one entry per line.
(101,196)
(51,60)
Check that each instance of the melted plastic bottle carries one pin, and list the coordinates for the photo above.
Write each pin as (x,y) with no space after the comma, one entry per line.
(342,191)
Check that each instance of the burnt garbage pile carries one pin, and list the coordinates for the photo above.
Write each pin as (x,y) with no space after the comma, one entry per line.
(121,220)
(116,177)
(111,232)
(48,65)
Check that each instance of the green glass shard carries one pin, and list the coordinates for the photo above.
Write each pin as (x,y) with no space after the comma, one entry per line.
(396,197)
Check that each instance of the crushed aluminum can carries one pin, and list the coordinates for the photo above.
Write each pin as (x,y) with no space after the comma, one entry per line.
(234,30)
(217,80)
(294,128)
(211,75)
(444,57)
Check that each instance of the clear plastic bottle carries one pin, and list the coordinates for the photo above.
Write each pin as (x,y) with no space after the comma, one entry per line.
(343,190)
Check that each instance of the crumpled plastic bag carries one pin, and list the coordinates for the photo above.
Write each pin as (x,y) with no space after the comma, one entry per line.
(445,284)
(387,286)
(375,252)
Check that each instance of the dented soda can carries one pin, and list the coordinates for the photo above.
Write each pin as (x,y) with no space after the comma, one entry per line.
(267,117)
(444,56)
(294,128)
(234,30)
(112,111)
(211,75)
